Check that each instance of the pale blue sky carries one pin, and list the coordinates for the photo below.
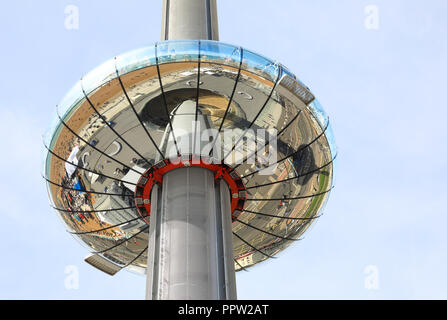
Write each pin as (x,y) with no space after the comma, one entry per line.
(383,90)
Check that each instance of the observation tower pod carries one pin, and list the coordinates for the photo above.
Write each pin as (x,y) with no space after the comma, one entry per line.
(189,159)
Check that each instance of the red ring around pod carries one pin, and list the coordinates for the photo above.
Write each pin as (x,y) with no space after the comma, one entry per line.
(154,175)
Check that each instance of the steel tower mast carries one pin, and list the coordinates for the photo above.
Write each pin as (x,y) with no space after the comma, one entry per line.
(189,20)
(190,239)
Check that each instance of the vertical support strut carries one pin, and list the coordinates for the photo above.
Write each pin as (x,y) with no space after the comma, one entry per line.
(191,252)
(189,20)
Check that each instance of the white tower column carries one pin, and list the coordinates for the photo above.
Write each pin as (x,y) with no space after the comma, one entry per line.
(190,238)
(189,20)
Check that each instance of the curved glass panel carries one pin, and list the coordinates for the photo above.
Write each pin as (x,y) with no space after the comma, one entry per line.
(177,51)
(49,194)
(51,129)
(219,68)
(127,251)
(145,110)
(135,60)
(216,52)
(331,140)
(317,109)
(43,160)
(99,76)
(138,73)
(73,97)
(334,170)
(260,65)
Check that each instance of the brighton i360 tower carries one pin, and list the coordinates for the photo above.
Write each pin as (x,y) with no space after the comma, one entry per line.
(189,159)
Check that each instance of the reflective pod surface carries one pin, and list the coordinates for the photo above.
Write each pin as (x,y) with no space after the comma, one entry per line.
(175,99)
